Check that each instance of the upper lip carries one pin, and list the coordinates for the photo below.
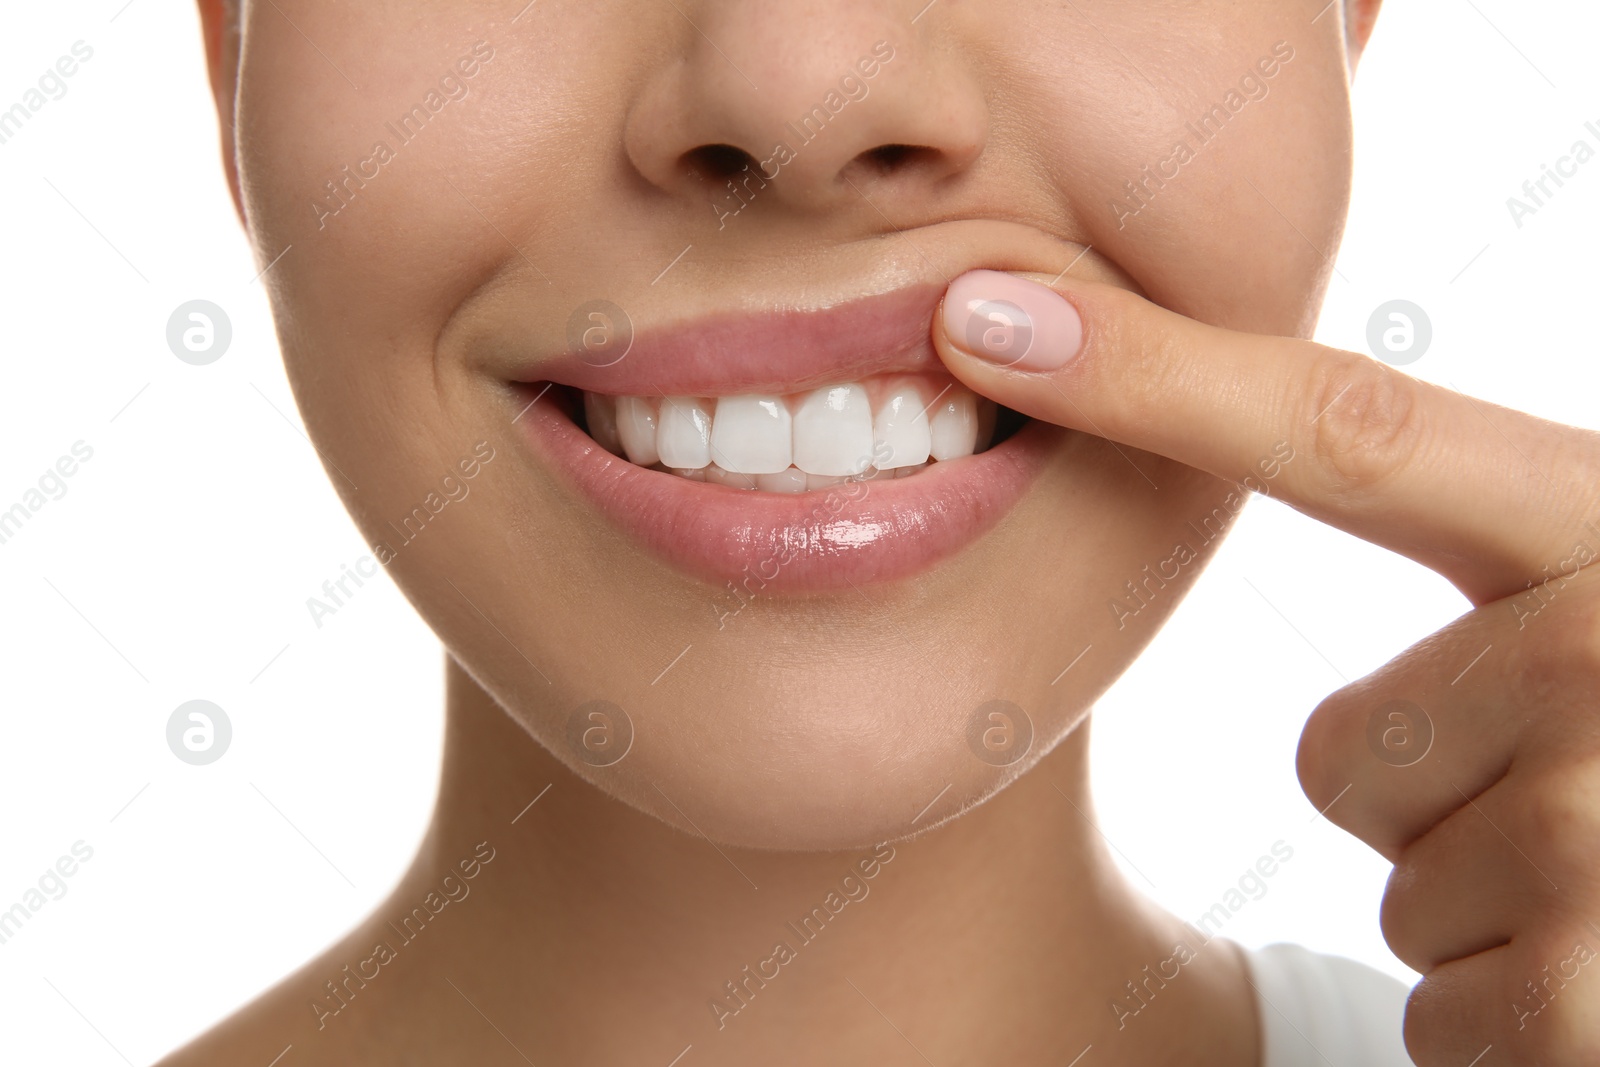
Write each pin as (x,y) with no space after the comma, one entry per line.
(774,352)
(775,328)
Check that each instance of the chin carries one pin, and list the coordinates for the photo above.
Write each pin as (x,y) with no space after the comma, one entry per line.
(827,751)
(829,790)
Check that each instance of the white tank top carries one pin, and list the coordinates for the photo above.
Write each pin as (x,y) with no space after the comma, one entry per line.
(1326,1011)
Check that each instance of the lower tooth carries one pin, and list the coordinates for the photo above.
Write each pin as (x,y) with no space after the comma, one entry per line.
(717,476)
(792,480)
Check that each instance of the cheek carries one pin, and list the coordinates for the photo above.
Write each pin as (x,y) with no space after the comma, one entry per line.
(1225,208)
(434,187)
(389,205)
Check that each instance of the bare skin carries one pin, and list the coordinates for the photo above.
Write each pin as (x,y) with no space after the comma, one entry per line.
(599,935)
(617,908)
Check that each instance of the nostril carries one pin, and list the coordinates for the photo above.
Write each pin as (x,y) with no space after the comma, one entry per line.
(887,158)
(717,162)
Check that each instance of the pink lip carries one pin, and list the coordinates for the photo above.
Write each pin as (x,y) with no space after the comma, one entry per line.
(772,352)
(824,540)
(821,541)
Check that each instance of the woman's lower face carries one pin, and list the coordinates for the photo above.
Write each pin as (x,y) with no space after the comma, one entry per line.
(610,322)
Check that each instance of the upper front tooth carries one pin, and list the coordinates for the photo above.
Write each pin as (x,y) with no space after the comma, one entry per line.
(636,425)
(684,436)
(954,427)
(833,431)
(752,434)
(900,436)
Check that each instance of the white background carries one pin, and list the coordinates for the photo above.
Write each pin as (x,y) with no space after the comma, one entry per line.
(178,564)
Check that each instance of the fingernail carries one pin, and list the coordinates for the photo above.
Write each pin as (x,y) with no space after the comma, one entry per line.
(1011,321)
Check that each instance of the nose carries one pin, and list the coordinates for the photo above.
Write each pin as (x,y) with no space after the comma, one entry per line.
(805,104)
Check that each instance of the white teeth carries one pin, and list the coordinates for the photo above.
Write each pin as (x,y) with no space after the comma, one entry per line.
(833,431)
(683,437)
(954,427)
(792,480)
(900,436)
(752,434)
(797,443)
(600,412)
(718,476)
(636,425)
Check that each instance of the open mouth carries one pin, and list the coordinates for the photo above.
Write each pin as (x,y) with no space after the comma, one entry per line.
(791,451)
(882,427)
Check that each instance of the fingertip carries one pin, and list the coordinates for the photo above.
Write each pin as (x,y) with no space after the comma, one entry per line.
(1010,321)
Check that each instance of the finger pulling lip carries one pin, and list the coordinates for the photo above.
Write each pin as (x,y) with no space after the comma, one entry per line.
(775,323)
(780,351)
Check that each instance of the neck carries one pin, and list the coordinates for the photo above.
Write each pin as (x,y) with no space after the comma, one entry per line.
(597,934)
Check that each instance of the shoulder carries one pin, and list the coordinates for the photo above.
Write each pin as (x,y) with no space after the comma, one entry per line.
(332,1012)
(1318,1010)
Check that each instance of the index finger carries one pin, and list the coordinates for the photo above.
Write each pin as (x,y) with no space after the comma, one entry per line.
(1489,497)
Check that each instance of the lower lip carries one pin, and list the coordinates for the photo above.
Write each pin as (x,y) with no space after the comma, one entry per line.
(824,540)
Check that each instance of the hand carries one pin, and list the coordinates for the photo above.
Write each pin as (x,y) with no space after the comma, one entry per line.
(1471,761)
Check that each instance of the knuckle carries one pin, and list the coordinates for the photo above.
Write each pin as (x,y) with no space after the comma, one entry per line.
(1553,1009)
(1582,633)
(1433,1017)
(1367,421)
(1161,359)
(1317,760)
(1559,820)
(1574,1037)
(1562,660)
(1403,901)
(1333,748)
(1531,1002)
